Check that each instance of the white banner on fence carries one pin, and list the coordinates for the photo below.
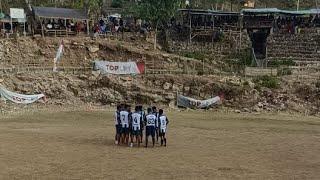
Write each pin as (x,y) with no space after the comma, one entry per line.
(19,98)
(188,102)
(107,67)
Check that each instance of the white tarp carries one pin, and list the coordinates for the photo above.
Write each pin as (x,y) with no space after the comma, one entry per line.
(107,67)
(19,98)
(188,102)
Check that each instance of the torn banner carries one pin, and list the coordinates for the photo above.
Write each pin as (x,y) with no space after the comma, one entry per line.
(188,102)
(19,98)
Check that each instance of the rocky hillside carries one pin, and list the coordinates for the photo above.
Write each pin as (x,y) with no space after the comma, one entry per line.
(241,95)
(20,59)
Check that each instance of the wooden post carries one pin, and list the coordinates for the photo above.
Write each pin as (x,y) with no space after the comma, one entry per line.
(65,24)
(88,29)
(240,41)
(190,26)
(153,64)
(203,67)
(177,98)
(42,28)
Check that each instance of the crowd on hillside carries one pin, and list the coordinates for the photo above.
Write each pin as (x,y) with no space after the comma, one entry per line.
(113,24)
(292,24)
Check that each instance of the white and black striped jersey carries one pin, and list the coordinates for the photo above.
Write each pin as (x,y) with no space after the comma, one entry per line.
(124,119)
(136,121)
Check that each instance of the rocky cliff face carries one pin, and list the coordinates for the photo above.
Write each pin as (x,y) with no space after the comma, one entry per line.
(91,88)
(88,87)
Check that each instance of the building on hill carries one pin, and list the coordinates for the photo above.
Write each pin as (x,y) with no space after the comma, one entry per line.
(248,3)
(264,31)
(59,21)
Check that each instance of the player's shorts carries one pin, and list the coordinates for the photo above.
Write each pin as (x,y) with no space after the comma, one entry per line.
(150,130)
(124,130)
(118,129)
(136,132)
(162,132)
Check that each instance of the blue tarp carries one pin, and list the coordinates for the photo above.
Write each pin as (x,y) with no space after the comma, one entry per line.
(279,11)
(63,13)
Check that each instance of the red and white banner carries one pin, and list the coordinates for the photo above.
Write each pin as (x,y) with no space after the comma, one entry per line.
(107,67)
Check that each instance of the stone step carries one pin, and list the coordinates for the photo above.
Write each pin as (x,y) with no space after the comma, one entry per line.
(293,43)
(293,55)
(302,60)
(310,49)
(292,51)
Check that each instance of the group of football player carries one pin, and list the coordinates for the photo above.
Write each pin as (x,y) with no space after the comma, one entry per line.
(133,124)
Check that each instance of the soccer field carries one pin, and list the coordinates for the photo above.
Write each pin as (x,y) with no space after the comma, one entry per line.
(201,145)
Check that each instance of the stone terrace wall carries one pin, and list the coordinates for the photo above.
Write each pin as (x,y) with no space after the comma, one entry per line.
(219,50)
(302,48)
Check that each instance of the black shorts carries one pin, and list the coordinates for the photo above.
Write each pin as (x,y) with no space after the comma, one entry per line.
(124,130)
(118,129)
(150,130)
(162,132)
(136,132)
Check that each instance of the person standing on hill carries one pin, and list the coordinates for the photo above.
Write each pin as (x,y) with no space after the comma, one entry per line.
(150,121)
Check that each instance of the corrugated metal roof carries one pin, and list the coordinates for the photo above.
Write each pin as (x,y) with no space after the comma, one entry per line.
(260,11)
(209,12)
(63,13)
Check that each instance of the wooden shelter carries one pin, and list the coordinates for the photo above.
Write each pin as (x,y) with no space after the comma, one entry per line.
(63,16)
(206,22)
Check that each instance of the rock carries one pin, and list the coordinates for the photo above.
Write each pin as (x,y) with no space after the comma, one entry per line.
(237,111)
(169,96)
(166,86)
(186,88)
(175,87)
(246,110)
(256,109)
(83,77)
(165,55)
(260,104)
(93,49)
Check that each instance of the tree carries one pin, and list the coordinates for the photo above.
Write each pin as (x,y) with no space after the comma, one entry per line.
(158,12)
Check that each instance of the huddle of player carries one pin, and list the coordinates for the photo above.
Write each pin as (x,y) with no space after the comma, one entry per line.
(132,124)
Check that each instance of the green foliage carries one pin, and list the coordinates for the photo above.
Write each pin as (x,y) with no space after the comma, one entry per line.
(117,3)
(195,55)
(245,83)
(156,11)
(287,62)
(243,57)
(284,71)
(266,81)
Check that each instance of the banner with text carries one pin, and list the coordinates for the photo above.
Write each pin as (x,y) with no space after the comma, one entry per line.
(107,67)
(19,98)
(188,102)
